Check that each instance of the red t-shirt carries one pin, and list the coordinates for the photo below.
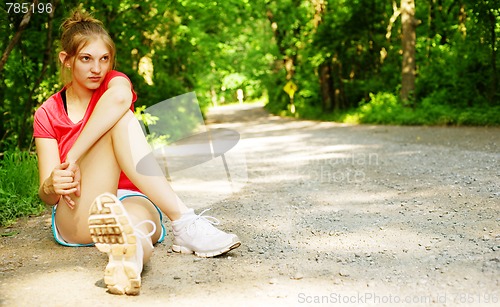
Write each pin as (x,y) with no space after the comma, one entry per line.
(52,122)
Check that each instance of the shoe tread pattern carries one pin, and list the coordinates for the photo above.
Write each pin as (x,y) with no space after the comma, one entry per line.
(112,233)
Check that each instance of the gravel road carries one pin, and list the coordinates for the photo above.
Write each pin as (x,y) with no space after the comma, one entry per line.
(329,214)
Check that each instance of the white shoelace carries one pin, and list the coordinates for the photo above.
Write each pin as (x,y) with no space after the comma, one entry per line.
(205,220)
(142,235)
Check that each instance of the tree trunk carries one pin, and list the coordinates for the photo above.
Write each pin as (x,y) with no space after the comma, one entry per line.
(409,24)
(431,29)
(341,102)
(462,16)
(394,17)
(325,82)
(13,42)
(494,77)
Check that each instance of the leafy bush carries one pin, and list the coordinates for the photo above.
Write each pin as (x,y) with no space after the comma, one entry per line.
(386,108)
(18,187)
(382,108)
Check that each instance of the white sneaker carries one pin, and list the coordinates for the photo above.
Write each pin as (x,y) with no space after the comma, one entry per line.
(196,234)
(112,232)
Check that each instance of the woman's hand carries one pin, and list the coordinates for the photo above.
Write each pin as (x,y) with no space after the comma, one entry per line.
(64,181)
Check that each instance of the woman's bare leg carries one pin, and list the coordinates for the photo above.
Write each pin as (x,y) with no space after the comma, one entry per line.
(140,209)
(100,173)
(121,148)
(130,147)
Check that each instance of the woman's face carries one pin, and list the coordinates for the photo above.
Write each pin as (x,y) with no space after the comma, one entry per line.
(91,65)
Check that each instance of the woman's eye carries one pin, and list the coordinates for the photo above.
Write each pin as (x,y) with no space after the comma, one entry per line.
(105,58)
(85,58)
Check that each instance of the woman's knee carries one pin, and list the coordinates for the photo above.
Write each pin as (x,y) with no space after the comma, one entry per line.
(125,124)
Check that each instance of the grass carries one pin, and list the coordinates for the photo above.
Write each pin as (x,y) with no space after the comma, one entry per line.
(386,109)
(18,187)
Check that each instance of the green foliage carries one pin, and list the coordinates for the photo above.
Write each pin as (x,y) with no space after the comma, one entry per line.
(462,70)
(385,108)
(359,44)
(18,187)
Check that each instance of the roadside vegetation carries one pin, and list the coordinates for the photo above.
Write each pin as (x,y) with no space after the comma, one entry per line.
(18,187)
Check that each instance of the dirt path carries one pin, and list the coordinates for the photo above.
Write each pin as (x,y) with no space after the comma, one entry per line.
(330,215)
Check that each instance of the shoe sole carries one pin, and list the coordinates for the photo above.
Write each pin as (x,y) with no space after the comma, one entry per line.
(184,250)
(112,232)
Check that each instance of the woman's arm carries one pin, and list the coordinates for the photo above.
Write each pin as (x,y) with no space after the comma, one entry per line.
(56,179)
(112,105)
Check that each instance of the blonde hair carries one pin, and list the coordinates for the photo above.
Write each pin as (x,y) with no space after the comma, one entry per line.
(77,31)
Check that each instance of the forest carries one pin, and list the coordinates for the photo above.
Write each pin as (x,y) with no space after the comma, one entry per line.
(411,62)
(406,62)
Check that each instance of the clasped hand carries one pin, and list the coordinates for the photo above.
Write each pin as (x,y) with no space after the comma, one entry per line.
(66,181)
